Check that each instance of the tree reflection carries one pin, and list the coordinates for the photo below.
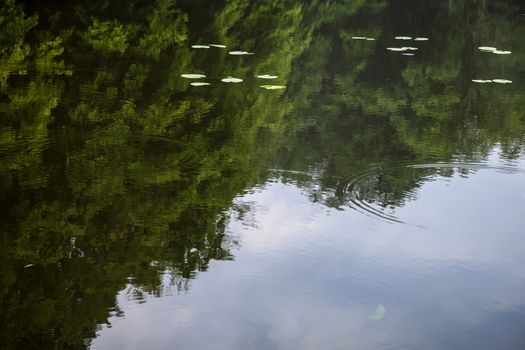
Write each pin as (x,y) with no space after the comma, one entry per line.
(115,172)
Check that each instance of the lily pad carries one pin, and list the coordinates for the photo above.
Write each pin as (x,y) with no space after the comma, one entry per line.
(403,37)
(199,83)
(482,81)
(419,38)
(502,81)
(273,87)
(218,45)
(240,53)
(378,313)
(231,80)
(193,76)
(502,52)
(267,76)
(200,46)
(359,37)
(487,48)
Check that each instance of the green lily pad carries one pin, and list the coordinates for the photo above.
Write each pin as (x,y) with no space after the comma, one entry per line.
(502,81)
(240,53)
(378,313)
(199,83)
(403,37)
(218,45)
(502,52)
(266,76)
(200,46)
(273,87)
(193,76)
(487,48)
(231,80)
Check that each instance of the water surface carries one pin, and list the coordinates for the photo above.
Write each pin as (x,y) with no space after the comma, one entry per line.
(262,175)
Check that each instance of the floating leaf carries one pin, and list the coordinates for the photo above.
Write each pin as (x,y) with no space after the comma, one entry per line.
(487,48)
(482,81)
(266,76)
(421,39)
(498,52)
(240,53)
(359,37)
(200,46)
(218,45)
(408,54)
(273,87)
(231,80)
(193,76)
(199,83)
(502,81)
(403,38)
(378,313)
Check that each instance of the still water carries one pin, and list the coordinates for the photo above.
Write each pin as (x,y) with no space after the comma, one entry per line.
(262,175)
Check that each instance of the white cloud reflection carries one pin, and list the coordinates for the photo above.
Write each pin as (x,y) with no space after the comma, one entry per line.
(307,277)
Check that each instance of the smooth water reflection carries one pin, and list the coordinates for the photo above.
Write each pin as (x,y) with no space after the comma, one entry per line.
(361,198)
(308,277)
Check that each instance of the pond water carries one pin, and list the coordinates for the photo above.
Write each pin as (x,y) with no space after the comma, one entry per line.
(262,175)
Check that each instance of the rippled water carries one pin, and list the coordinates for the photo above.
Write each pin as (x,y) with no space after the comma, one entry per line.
(262,175)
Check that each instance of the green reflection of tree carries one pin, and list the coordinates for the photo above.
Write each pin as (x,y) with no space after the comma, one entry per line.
(115,171)
(358,104)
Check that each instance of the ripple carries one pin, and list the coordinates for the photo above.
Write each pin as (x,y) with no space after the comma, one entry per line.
(405,194)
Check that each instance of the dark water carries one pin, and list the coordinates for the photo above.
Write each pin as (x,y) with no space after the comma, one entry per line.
(370,196)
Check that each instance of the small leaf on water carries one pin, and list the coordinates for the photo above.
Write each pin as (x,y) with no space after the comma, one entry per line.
(498,52)
(487,48)
(266,76)
(421,39)
(240,53)
(193,76)
(502,81)
(273,87)
(200,46)
(199,83)
(378,313)
(231,80)
(403,38)
(218,45)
